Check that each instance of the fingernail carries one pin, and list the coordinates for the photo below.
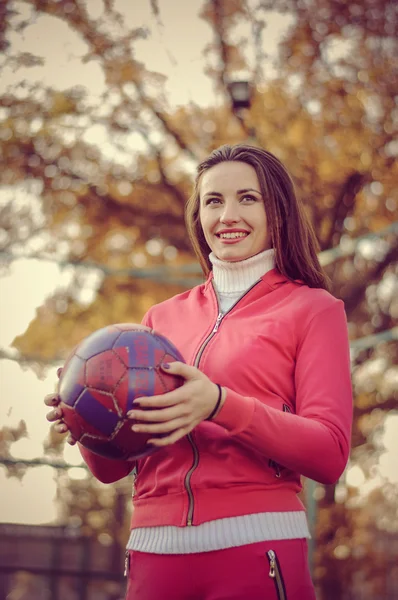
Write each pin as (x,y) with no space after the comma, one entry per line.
(131,414)
(165,366)
(59,371)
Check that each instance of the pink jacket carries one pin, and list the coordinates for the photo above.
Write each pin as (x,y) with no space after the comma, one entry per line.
(282,353)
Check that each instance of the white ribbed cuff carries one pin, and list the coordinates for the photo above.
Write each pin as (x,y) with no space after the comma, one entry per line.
(220,534)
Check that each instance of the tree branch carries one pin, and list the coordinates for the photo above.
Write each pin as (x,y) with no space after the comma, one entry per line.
(344,206)
(219,32)
(357,292)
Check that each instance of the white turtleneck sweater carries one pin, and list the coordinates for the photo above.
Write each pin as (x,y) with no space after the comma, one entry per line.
(231,280)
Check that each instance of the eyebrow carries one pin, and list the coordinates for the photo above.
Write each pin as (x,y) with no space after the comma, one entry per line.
(239,192)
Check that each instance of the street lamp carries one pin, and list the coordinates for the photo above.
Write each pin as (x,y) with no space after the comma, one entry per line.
(240,92)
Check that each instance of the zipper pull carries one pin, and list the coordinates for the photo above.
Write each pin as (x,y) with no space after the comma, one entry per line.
(126,563)
(217,323)
(272,563)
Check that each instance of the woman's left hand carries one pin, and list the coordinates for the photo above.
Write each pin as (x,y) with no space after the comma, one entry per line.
(174,414)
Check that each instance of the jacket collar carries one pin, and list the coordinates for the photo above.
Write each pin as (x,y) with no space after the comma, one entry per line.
(272,278)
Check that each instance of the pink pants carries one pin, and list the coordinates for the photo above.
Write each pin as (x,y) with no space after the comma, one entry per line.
(244,573)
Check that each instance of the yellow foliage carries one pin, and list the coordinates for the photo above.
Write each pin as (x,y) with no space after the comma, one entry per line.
(61,104)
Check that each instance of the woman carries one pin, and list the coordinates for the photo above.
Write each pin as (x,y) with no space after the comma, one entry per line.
(266,398)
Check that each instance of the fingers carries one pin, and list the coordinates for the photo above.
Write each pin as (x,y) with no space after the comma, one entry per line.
(158,416)
(181,369)
(164,400)
(59,372)
(54,415)
(170,439)
(156,428)
(52,400)
(60,427)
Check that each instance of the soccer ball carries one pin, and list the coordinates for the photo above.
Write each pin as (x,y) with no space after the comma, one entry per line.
(100,381)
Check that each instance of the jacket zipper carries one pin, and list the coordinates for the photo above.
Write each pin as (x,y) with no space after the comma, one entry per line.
(276,574)
(188,476)
(187,481)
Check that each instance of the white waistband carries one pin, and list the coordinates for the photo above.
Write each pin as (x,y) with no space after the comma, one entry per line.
(220,534)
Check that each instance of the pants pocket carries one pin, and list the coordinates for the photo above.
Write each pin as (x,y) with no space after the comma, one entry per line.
(275,572)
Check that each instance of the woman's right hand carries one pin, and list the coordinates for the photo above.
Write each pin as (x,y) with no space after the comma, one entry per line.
(55,415)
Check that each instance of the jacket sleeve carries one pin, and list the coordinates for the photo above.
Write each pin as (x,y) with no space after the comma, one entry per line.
(315,441)
(108,470)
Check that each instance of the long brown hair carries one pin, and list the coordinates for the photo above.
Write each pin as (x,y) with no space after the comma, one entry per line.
(292,235)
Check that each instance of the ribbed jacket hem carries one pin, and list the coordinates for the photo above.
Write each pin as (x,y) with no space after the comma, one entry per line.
(220,534)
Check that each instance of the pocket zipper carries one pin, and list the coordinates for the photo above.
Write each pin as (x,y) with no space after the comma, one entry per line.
(271,463)
(126,563)
(276,575)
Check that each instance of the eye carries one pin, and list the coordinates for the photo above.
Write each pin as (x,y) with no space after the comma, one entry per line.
(210,201)
(248,198)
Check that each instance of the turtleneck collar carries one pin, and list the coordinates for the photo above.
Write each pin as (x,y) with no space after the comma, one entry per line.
(239,276)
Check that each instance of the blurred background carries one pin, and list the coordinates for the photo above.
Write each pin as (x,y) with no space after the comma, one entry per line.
(106,107)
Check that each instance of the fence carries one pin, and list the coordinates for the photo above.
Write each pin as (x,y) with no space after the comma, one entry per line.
(56,563)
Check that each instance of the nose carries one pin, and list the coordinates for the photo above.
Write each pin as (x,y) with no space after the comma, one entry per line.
(230,213)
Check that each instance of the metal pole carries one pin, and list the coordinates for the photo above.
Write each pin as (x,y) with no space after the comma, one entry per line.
(311,506)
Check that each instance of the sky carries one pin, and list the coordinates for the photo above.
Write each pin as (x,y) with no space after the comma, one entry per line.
(174,49)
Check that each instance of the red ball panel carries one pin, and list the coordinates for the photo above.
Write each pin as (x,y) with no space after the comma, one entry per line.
(103,370)
(170,382)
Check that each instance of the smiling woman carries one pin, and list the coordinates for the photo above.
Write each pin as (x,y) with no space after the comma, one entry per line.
(282,219)
(259,407)
(232,211)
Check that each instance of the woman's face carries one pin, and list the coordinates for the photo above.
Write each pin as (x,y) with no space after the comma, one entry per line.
(232,211)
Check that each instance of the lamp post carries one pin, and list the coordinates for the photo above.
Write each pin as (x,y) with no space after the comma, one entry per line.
(240,93)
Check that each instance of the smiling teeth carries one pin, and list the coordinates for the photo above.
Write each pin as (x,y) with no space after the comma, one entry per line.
(230,236)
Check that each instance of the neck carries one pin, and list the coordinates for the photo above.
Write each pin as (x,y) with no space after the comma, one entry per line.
(239,276)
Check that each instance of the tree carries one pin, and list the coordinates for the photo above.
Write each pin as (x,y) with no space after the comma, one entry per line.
(327,112)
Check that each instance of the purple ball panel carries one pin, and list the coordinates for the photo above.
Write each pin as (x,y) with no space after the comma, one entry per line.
(169,347)
(140,348)
(97,342)
(141,383)
(71,382)
(97,415)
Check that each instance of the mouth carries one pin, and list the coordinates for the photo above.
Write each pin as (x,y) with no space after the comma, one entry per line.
(232,235)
